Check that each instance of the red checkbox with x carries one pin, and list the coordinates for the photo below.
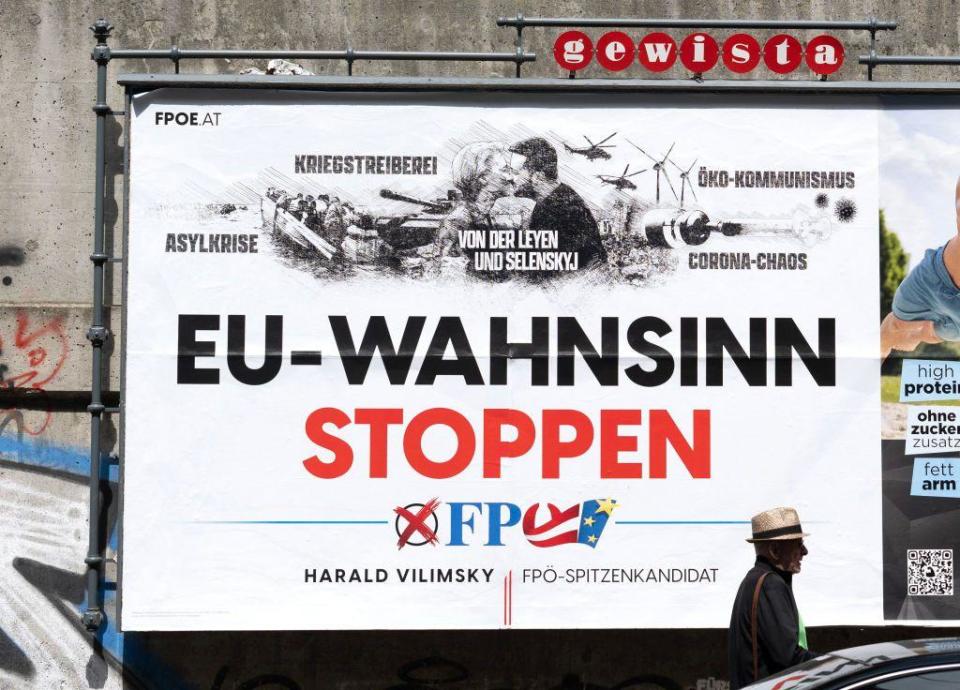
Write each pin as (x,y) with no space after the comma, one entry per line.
(416,516)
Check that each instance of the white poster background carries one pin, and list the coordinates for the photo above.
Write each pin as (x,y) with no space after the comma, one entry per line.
(219,514)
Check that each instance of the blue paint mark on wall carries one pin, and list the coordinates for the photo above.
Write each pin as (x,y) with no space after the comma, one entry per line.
(38,453)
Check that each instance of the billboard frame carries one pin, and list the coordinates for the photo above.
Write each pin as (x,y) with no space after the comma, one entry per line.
(93,616)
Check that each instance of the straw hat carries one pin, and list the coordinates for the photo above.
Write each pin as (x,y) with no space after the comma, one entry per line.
(776,524)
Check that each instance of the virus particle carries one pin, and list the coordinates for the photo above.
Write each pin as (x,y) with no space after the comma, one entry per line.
(845,210)
(822,200)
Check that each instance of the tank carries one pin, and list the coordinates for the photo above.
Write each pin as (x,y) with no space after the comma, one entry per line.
(415,229)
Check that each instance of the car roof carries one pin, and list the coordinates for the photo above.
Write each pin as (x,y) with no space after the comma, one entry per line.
(844,663)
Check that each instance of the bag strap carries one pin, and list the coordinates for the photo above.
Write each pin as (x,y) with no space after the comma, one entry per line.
(753,626)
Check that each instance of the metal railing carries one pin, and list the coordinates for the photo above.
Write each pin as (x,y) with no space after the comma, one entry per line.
(175,55)
(873,60)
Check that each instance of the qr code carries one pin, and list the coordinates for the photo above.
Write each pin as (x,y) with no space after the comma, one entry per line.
(930,572)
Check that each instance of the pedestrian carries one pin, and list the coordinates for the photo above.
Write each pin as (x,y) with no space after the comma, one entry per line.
(766,633)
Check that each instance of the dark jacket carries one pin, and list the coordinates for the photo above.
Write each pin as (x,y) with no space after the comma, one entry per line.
(566,212)
(778,626)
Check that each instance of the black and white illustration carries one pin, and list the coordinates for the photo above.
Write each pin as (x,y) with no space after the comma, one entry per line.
(513,202)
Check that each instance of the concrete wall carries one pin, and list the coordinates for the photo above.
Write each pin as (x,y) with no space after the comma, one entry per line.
(46,218)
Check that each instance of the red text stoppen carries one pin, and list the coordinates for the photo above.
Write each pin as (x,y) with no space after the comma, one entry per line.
(563,434)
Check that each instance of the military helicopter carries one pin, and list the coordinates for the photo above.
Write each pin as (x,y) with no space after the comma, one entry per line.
(593,151)
(620,181)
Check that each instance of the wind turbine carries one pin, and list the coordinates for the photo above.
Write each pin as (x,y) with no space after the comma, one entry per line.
(685,180)
(660,166)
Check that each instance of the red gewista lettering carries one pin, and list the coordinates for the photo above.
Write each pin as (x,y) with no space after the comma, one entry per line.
(741,53)
(699,53)
(657,51)
(615,51)
(573,50)
(782,53)
(824,54)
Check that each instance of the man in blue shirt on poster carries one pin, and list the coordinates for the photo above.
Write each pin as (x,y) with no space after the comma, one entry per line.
(926,306)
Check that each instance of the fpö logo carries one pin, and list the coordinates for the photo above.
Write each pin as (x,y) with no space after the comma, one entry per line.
(698,52)
(468,523)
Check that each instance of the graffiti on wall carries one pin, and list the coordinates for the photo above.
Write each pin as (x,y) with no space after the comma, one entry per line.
(32,356)
(43,510)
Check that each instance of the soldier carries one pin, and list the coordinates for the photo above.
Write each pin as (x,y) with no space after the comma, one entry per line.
(310,212)
(282,200)
(350,214)
(297,206)
(334,221)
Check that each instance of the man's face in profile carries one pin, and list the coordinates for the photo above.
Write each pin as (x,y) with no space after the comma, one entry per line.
(791,552)
(523,178)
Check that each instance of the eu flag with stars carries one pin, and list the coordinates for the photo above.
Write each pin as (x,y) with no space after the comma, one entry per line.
(593,518)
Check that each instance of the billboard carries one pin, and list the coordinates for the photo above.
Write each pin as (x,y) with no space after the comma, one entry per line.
(472,361)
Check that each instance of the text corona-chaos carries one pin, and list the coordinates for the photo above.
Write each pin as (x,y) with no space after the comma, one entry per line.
(646,351)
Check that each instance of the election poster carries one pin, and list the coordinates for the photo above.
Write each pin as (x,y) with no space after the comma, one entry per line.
(477,360)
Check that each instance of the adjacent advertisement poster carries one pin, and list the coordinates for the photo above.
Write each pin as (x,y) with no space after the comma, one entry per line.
(432,361)
(920,373)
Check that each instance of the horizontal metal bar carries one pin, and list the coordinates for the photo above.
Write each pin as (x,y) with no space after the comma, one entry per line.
(515,56)
(177,54)
(909,60)
(587,22)
(145,82)
(184,54)
(52,401)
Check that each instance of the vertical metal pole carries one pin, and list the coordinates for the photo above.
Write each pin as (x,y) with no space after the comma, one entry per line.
(873,47)
(519,41)
(97,335)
